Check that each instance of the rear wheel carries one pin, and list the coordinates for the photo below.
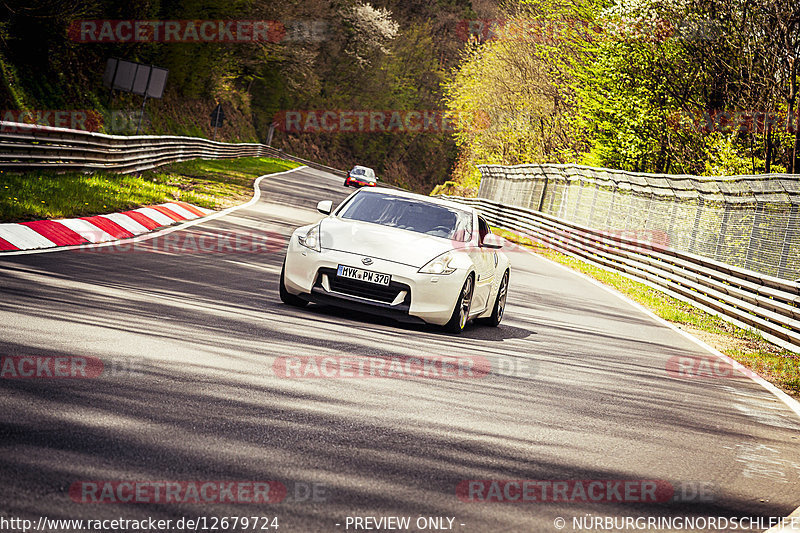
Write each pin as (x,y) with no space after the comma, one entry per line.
(460,316)
(287,297)
(499,304)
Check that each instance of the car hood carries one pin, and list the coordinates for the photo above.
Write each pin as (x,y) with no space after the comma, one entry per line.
(381,242)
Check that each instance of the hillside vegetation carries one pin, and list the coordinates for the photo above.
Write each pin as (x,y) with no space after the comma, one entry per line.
(319,55)
(706,87)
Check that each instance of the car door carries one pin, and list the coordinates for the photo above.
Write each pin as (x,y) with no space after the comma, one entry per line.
(486,262)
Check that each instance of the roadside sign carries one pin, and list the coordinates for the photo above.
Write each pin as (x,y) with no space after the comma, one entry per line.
(217,116)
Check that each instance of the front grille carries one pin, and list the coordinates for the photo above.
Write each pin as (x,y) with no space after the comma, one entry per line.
(362,289)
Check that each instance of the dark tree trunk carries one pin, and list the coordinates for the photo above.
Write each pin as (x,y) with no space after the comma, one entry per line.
(793,119)
(768,147)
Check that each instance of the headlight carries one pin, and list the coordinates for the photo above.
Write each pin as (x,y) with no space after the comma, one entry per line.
(439,265)
(311,239)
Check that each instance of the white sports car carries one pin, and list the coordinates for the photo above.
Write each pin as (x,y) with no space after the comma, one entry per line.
(409,257)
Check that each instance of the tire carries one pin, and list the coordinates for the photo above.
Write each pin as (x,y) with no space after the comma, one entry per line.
(499,304)
(287,297)
(460,315)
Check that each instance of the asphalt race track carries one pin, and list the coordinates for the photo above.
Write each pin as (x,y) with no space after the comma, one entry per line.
(583,388)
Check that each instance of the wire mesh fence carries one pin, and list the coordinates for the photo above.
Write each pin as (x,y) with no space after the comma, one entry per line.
(750,222)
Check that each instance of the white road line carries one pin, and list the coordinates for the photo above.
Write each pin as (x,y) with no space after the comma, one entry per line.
(790,402)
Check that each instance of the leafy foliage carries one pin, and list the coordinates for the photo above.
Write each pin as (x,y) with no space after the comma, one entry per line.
(629,84)
(696,86)
(338,55)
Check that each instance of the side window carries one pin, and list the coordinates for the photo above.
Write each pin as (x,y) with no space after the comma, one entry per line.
(483,229)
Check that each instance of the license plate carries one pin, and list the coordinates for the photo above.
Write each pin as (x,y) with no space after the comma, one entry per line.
(363,275)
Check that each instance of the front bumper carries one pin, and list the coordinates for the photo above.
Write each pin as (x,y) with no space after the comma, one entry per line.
(429,298)
(355,182)
(399,313)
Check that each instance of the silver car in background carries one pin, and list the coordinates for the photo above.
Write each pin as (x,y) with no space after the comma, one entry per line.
(361,177)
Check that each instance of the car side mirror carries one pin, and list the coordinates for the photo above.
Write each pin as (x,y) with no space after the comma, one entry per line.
(490,240)
(325,207)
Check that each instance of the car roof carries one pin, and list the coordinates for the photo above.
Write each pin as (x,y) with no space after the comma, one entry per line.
(360,166)
(421,197)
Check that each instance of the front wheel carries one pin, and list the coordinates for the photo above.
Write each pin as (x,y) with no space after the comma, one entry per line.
(460,316)
(499,304)
(287,297)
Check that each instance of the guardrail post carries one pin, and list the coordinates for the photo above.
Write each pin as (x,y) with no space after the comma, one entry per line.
(723,230)
(552,197)
(753,234)
(696,226)
(672,217)
(611,206)
(544,191)
(788,239)
(487,180)
(594,203)
(631,201)
(562,209)
(577,201)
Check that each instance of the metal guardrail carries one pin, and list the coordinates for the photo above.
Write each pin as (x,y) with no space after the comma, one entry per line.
(30,146)
(752,222)
(748,299)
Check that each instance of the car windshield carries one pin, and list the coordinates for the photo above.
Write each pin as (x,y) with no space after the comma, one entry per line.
(357,172)
(409,214)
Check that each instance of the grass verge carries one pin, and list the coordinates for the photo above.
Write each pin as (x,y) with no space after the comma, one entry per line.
(778,366)
(209,183)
